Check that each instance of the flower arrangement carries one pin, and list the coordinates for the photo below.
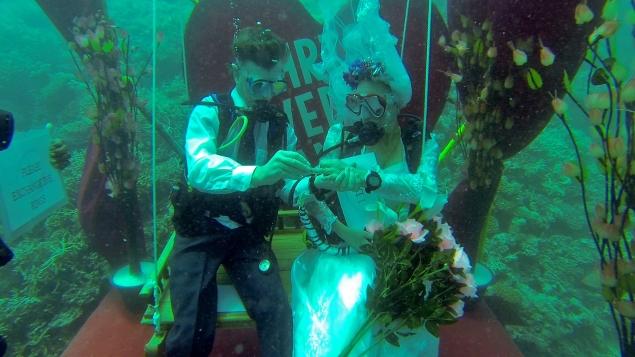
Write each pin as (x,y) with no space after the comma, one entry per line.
(361,70)
(608,109)
(104,53)
(422,278)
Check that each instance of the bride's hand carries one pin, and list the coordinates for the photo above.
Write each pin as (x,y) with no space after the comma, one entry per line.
(351,179)
(332,166)
(326,182)
(355,238)
(341,177)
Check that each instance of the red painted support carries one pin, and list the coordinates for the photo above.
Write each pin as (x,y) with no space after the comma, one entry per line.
(112,331)
(477,333)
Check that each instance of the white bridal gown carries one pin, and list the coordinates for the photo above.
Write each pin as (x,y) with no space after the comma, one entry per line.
(329,291)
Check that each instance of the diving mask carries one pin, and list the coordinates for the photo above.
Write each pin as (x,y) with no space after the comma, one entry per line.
(262,88)
(374,104)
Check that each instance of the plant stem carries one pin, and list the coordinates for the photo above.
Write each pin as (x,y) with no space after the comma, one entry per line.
(383,336)
(368,324)
(606,67)
(582,186)
(86,84)
(412,281)
(577,103)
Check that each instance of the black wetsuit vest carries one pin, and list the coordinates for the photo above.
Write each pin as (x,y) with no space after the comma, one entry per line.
(194,210)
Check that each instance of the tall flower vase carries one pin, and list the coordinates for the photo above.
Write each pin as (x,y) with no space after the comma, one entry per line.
(130,279)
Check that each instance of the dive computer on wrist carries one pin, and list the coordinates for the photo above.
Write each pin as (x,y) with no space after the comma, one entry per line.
(373,181)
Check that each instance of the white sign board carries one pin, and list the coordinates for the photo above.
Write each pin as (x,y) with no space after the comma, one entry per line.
(30,188)
(359,207)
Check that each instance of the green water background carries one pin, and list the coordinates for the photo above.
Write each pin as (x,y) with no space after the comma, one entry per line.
(538,245)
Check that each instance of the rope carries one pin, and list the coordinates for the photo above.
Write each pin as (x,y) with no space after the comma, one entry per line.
(405,27)
(427,81)
(184,59)
(155,246)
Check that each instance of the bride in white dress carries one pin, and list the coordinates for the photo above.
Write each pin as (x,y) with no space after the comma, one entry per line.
(329,282)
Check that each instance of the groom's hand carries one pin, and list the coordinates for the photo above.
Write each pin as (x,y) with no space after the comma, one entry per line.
(283,165)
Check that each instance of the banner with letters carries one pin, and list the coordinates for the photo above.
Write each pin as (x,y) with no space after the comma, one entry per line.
(210,32)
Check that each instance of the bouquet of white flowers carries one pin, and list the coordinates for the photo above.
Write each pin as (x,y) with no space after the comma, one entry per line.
(422,277)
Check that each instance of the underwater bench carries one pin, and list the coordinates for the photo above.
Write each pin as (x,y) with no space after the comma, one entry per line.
(288,243)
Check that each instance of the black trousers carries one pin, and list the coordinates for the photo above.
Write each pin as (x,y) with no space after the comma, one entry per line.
(193,266)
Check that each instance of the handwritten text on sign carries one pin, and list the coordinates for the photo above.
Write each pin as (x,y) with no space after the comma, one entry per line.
(30,188)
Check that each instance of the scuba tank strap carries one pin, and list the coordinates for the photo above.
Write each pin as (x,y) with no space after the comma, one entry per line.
(226,114)
(227,111)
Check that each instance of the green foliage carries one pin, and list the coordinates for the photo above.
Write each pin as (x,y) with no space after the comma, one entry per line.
(612,127)
(534,79)
(566,82)
(51,283)
(611,69)
(108,46)
(475,51)
(48,289)
(107,76)
(600,77)
(416,281)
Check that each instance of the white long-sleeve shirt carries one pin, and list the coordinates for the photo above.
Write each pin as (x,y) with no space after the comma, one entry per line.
(217,172)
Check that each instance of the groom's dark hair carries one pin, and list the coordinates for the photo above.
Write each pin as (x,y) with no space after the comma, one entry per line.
(259,45)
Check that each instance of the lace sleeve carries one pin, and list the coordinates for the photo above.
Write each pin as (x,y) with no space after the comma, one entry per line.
(418,188)
(297,194)
(321,212)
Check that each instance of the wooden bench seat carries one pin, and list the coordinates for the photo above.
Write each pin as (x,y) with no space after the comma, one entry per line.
(288,243)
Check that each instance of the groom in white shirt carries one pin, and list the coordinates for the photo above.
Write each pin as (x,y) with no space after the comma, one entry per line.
(241,159)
